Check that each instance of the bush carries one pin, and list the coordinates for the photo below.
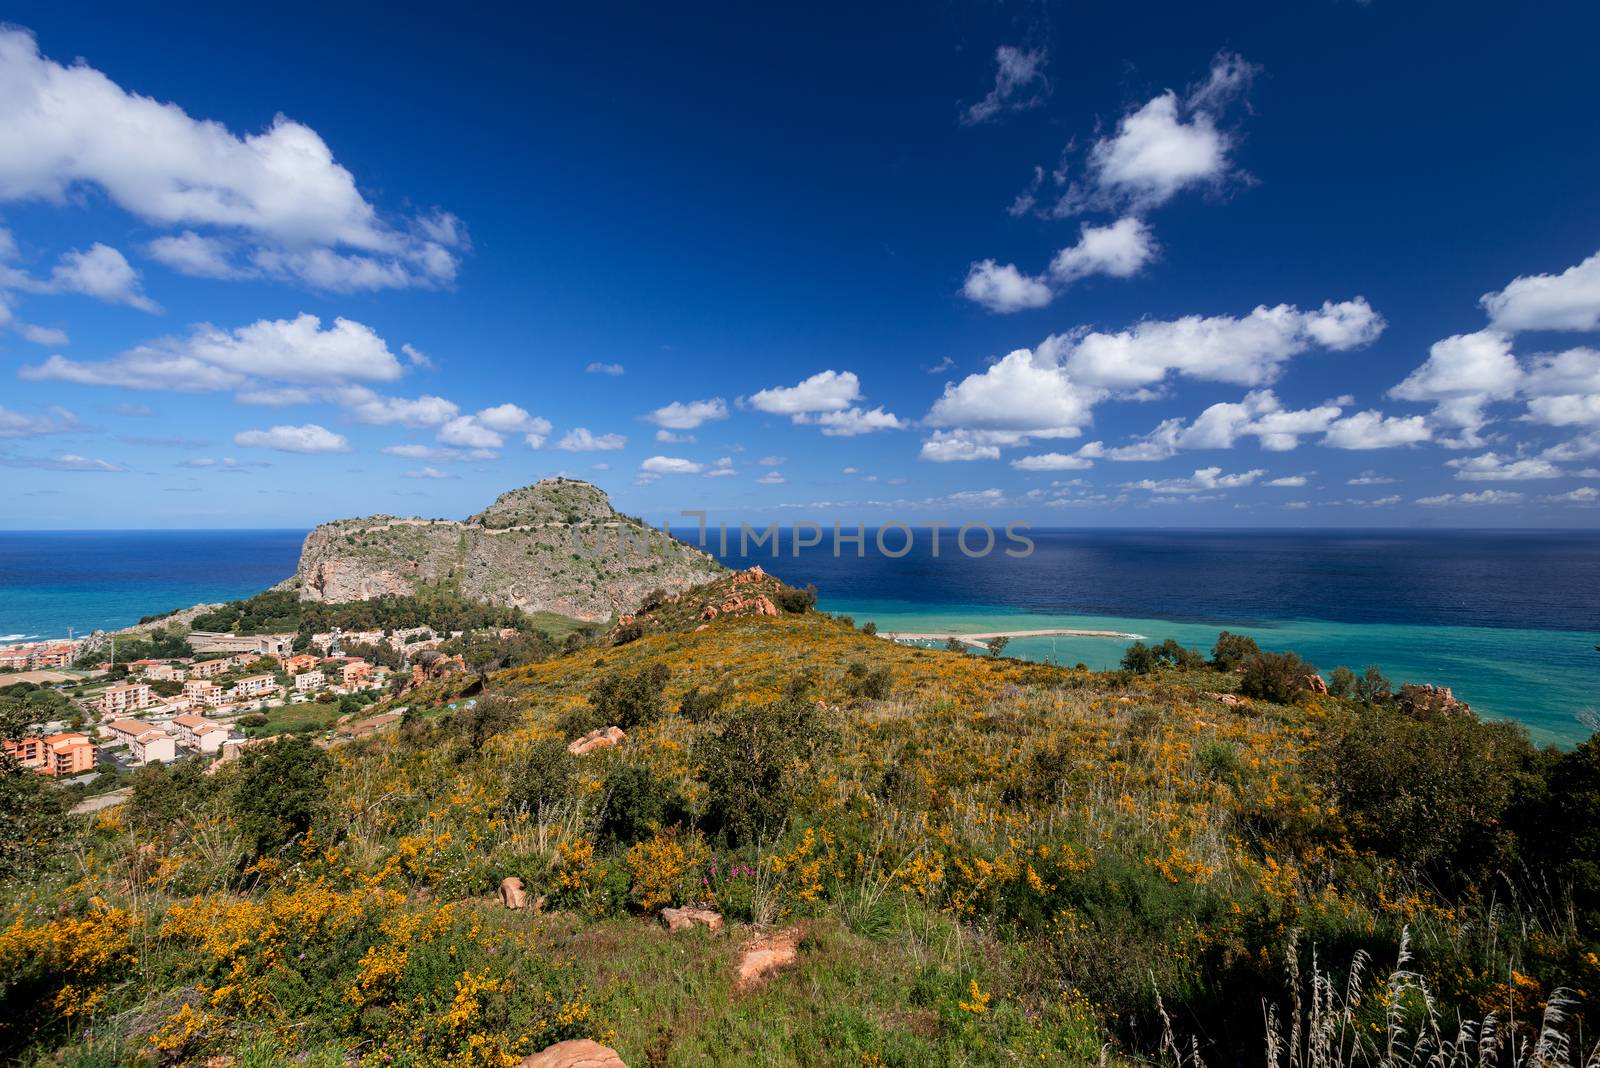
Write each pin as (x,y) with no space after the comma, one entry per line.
(873,684)
(1142,659)
(1232,650)
(493,714)
(869,628)
(792,600)
(281,792)
(543,777)
(31,819)
(1277,677)
(636,805)
(634,700)
(1139,659)
(700,705)
(164,798)
(757,764)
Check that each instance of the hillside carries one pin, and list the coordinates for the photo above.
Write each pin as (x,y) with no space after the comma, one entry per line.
(557,546)
(978,861)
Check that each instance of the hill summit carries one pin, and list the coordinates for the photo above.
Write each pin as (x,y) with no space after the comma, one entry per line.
(555,546)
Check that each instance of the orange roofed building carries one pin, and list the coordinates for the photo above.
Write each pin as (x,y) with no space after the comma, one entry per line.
(57,755)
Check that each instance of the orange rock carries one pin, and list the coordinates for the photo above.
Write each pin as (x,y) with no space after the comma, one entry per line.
(685,918)
(512,895)
(600,739)
(760,957)
(1315,683)
(574,1053)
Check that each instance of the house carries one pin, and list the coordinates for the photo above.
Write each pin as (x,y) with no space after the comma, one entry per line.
(203,693)
(120,700)
(209,669)
(56,654)
(124,731)
(165,672)
(308,681)
(197,732)
(254,686)
(154,746)
(298,665)
(355,672)
(57,755)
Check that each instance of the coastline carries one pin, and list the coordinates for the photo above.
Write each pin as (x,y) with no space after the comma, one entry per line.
(979,638)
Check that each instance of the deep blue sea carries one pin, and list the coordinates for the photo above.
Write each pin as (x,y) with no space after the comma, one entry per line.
(1508,619)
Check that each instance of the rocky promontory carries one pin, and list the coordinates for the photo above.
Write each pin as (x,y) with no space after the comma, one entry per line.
(556,546)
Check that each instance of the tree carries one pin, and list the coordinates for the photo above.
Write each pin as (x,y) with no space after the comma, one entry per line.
(281,792)
(32,818)
(492,714)
(1232,650)
(543,777)
(954,645)
(1139,659)
(634,700)
(756,765)
(1277,677)
(997,645)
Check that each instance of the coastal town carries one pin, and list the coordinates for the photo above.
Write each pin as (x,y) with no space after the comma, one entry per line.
(232,692)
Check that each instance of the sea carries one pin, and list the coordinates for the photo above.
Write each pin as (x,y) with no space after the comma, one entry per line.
(1509,619)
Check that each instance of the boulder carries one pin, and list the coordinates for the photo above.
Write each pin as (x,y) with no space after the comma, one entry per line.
(685,918)
(1316,684)
(574,1053)
(764,955)
(598,739)
(1423,701)
(512,896)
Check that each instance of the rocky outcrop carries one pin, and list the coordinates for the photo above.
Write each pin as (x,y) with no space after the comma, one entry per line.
(762,956)
(685,918)
(604,738)
(556,546)
(512,894)
(574,1053)
(1424,701)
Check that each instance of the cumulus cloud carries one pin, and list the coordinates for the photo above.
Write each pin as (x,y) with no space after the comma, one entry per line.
(1002,288)
(1026,391)
(439,454)
(278,193)
(667,437)
(1491,496)
(855,421)
(1493,467)
(1566,301)
(1581,495)
(487,428)
(365,406)
(1563,389)
(825,391)
(428,472)
(1374,430)
(1052,461)
(686,415)
(1019,83)
(579,439)
(1370,478)
(949,446)
(64,462)
(1462,375)
(309,439)
(296,350)
(612,369)
(1293,481)
(671,465)
(1204,479)
(771,478)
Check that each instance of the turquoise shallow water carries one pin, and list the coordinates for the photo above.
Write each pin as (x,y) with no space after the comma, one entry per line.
(1543,678)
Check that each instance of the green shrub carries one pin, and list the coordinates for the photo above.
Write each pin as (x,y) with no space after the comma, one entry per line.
(796,601)
(872,684)
(1282,678)
(756,764)
(700,705)
(631,700)
(281,791)
(635,804)
(1232,650)
(543,777)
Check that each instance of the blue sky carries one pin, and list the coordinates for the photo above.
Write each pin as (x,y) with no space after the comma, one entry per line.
(1312,264)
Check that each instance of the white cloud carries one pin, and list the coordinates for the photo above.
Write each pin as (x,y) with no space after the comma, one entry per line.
(66,127)
(1260,414)
(1492,467)
(54,420)
(195,255)
(1247,351)
(41,335)
(1370,478)
(613,369)
(1566,301)
(428,472)
(723,468)
(209,358)
(1024,392)
(365,406)
(1287,480)
(855,421)
(1205,478)
(1374,430)
(1002,288)
(1462,375)
(771,478)
(1563,388)
(957,445)
(438,454)
(772,461)
(310,439)
(671,465)
(1491,496)
(64,462)
(1052,461)
(1581,495)
(415,356)
(680,415)
(1120,250)
(825,391)
(486,428)
(579,439)
(103,273)
(1019,83)
(667,437)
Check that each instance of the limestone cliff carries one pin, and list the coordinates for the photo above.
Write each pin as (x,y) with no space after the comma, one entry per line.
(556,546)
